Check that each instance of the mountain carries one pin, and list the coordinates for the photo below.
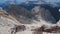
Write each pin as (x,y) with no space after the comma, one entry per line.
(36,17)
(51,7)
(25,12)
(20,13)
(32,15)
(28,13)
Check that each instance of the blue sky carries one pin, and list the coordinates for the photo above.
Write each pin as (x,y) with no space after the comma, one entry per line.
(19,1)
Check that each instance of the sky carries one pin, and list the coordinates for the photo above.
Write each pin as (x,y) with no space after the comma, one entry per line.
(19,1)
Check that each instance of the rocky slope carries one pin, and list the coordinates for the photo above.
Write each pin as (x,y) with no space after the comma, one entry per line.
(32,19)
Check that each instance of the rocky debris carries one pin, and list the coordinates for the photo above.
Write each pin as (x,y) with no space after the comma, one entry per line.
(17,28)
(53,29)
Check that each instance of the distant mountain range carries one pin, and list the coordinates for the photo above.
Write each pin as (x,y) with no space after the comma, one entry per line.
(29,11)
(29,3)
(26,10)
